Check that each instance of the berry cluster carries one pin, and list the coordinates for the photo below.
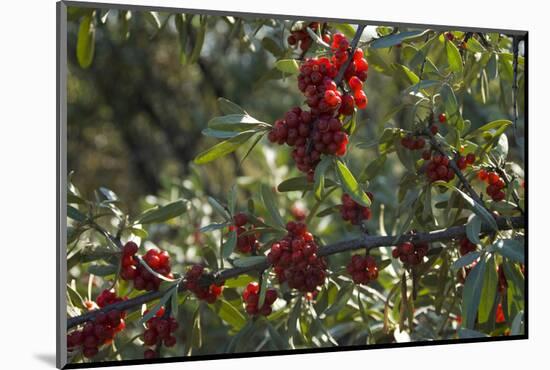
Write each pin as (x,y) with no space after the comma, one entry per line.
(295,259)
(466,246)
(251,296)
(354,212)
(206,293)
(495,184)
(411,253)
(301,38)
(412,142)
(157,260)
(362,269)
(159,329)
(438,168)
(101,330)
(245,243)
(320,130)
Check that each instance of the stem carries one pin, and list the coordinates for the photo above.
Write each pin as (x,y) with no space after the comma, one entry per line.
(364,241)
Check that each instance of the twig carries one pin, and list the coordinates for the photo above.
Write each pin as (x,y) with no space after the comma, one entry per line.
(454,166)
(365,241)
(504,176)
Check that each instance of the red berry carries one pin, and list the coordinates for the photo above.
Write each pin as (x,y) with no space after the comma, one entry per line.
(442,118)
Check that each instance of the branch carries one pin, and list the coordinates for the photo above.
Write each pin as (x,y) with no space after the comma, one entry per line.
(364,242)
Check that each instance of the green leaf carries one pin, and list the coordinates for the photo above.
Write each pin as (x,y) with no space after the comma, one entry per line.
(289,66)
(489,291)
(271,206)
(228,107)
(75,214)
(406,73)
(85,43)
(344,295)
(469,333)
(249,261)
(234,122)
(474,46)
(345,28)
(163,213)
(219,134)
(510,248)
(465,260)
(223,148)
(479,210)
(213,227)
(295,184)
(102,270)
(108,194)
(239,281)
(229,246)
(472,293)
(162,301)
(153,19)
(517,324)
(276,337)
(271,45)
(196,331)
(328,211)
(453,56)
(372,169)
(319,176)
(473,228)
(230,314)
(294,317)
(199,41)
(449,101)
(218,207)
(350,185)
(493,125)
(396,39)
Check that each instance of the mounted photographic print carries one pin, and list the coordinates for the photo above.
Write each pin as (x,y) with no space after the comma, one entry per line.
(239,184)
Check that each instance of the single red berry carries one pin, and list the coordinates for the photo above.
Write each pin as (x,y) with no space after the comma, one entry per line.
(442,118)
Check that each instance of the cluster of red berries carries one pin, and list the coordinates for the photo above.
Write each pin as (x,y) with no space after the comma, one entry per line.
(466,246)
(301,38)
(295,259)
(132,269)
(310,139)
(495,184)
(251,297)
(245,243)
(412,142)
(354,212)
(410,253)
(320,130)
(362,269)
(438,168)
(159,329)
(101,330)
(206,293)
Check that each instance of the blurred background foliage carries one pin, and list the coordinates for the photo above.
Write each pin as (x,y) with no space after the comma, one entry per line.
(138,103)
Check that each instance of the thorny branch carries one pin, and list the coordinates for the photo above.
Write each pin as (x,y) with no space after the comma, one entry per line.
(362,242)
